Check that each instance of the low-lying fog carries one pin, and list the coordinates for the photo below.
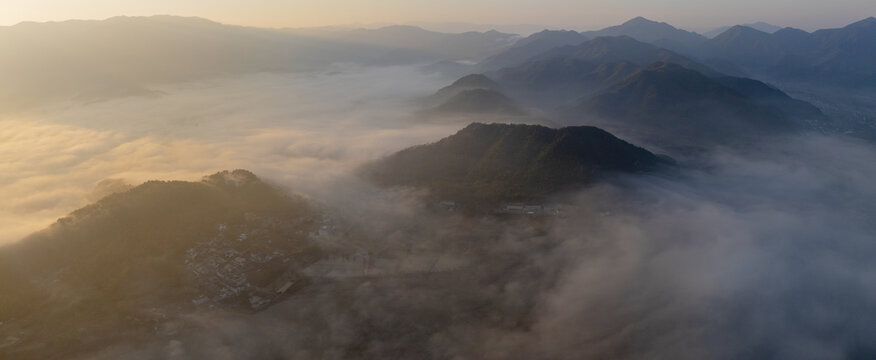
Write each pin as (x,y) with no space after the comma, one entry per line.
(294,129)
(766,253)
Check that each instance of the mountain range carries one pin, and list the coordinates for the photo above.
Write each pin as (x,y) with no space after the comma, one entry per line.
(646,93)
(567,73)
(140,265)
(473,94)
(472,46)
(123,56)
(660,34)
(480,101)
(668,104)
(485,163)
(842,57)
(836,56)
(531,46)
(52,61)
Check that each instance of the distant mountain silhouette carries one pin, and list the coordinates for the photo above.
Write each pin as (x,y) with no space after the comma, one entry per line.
(479,101)
(468,82)
(842,56)
(624,48)
(125,56)
(658,33)
(553,81)
(122,56)
(661,34)
(464,46)
(472,94)
(121,267)
(569,72)
(671,105)
(746,46)
(506,162)
(760,26)
(650,94)
(831,56)
(561,71)
(532,46)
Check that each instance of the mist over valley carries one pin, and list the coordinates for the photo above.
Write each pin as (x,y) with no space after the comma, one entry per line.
(179,188)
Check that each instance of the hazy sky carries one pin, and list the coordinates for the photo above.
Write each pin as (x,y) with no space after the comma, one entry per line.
(580,14)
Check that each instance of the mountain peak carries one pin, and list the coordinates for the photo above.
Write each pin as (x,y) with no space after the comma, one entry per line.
(640,20)
(489,162)
(790,30)
(745,28)
(402,29)
(236,178)
(475,81)
(870,21)
(741,31)
(647,30)
(760,25)
(545,34)
(764,26)
(480,101)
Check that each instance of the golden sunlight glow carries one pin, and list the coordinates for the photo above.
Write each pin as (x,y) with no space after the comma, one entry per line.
(572,13)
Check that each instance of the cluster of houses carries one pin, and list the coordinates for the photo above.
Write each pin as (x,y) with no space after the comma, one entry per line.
(221,264)
(326,227)
(531,209)
(220,272)
(509,208)
(9,341)
(449,206)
